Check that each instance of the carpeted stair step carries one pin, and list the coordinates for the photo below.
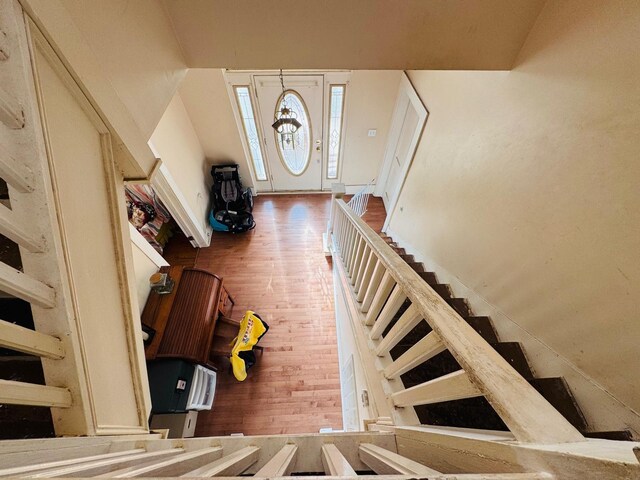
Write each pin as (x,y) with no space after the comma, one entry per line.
(430,278)
(460,305)
(513,353)
(558,394)
(484,327)
(416,266)
(443,290)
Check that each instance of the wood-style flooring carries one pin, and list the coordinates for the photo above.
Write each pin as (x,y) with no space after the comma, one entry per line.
(279,271)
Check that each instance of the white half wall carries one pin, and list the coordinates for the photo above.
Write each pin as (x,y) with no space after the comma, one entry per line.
(146,262)
(181,179)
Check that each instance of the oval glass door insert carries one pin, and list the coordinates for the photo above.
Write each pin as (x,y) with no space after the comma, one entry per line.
(295,149)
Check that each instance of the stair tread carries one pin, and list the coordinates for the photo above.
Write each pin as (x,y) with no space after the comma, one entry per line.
(460,305)
(558,394)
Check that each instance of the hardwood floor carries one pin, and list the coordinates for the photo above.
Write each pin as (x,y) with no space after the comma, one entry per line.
(279,271)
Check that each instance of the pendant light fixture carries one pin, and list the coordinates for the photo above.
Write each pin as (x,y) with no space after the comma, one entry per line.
(286,123)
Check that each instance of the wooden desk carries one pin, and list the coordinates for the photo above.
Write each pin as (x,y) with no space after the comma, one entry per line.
(184,320)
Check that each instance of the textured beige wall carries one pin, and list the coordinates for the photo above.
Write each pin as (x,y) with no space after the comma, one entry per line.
(525,186)
(206,99)
(177,143)
(136,49)
(371,97)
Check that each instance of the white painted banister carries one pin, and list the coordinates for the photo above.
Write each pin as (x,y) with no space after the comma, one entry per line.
(525,411)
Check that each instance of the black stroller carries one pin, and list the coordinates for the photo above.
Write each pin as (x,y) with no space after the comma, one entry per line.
(232,204)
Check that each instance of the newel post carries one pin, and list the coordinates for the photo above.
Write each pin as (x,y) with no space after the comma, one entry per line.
(337,192)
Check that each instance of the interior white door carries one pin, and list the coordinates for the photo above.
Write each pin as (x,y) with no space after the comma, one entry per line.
(409,118)
(401,154)
(296,165)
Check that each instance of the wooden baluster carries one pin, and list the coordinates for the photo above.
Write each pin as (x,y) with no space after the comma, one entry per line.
(378,273)
(350,248)
(428,347)
(29,341)
(16,174)
(334,462)
(170,467)
(281,464)
(364,259)
(395,301)
(48,465)
(347,243)
(454,386)
(228,466)
(17,229)
(386,285)
(409,319)
(385,462)
(21,393)
(355,261)
(107,466)
(363,283)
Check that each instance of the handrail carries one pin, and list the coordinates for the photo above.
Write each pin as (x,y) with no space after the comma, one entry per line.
(528,414)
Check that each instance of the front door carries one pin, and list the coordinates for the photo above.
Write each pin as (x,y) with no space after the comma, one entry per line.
(295,162)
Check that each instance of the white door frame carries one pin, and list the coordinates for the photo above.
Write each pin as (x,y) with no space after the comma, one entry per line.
(405,89)
(245,78)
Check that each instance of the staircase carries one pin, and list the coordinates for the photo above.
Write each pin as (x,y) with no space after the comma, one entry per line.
(401,453)
(477,412)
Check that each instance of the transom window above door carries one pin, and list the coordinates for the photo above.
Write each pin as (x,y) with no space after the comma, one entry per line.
(295,149)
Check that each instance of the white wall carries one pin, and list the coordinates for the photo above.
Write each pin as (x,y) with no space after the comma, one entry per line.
(137,50)
(206,99)
(176,142)
(146,262)
(371,97)
(524,188)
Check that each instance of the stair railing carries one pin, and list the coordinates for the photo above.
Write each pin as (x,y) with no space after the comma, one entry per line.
(28,218)
(381,282)
(360,200)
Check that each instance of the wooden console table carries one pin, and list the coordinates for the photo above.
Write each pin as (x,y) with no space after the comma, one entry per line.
(184,320)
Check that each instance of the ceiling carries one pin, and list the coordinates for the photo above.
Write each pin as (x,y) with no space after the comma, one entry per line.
(352,34)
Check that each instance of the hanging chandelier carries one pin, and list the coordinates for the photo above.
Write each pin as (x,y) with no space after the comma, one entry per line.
(286,123)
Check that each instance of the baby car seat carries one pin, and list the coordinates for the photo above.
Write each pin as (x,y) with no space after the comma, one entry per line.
(232,204)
